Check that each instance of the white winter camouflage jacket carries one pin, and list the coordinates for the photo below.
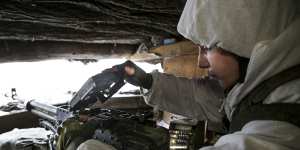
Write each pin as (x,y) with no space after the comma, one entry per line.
(272,43)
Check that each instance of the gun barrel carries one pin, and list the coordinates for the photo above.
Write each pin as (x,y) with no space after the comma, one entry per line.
(45,111)
(43,115)
(40,106)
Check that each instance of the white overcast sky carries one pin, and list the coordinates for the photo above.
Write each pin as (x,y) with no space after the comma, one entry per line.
(49,81)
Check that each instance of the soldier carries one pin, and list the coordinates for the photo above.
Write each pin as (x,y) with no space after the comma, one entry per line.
(251,49)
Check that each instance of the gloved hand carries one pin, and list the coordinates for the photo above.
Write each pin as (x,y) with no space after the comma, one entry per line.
(135,75)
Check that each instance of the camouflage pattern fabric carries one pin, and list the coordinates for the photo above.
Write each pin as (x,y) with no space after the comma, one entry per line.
(73,133)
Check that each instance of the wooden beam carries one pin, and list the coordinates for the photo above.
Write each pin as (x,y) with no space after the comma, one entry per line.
(177,49)
(183,66)
(13,50)
(23,119)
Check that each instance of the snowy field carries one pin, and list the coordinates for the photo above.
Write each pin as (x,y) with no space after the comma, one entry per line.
(52,81)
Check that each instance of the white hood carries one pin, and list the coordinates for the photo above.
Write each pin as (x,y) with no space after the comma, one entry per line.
(235,25)
(266,31)
(269,58)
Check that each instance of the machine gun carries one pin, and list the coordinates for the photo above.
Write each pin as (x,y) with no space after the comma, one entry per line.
(112,122)
(99,87)
(123,129)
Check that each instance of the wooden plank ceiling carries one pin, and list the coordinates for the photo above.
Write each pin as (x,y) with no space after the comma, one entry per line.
(123,24)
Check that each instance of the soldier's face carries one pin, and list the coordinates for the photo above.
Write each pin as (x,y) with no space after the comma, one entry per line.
(221,65)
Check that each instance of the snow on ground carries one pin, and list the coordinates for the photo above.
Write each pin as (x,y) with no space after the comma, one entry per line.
(50,81)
